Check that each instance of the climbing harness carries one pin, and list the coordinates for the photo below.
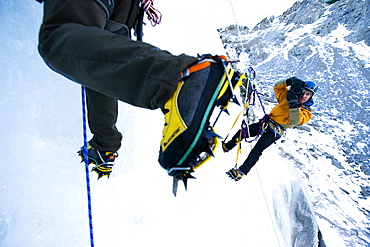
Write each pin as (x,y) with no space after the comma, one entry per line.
(276,128)
(85,156)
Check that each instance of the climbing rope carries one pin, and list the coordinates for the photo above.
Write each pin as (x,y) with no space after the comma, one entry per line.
(85,157)
(245,127)
(238,30)
(267,205)
(252,93)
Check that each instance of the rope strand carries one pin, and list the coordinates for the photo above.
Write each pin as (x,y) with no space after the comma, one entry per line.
(85,156)
(238,30)
(154,15)
(268,208)
(248,100)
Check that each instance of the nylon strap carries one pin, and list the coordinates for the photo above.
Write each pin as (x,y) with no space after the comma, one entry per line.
(154,16)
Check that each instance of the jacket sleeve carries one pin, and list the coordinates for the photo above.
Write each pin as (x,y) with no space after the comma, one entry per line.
(298,117)
(280,90)
(305,116)
(295,114)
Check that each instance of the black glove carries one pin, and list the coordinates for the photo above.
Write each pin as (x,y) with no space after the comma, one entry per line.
(292,99)
(297,85)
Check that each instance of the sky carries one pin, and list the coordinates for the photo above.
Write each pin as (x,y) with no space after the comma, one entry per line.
(196,22)
(224,12)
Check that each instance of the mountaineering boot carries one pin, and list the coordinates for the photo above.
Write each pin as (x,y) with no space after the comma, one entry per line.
(224,148)
(187,131)
(227,146)
(235,174)
(103,161)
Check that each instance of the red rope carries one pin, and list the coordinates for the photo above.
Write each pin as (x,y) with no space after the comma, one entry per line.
(154,16)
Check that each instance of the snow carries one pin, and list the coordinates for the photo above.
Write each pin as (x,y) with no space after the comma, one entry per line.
(43,190)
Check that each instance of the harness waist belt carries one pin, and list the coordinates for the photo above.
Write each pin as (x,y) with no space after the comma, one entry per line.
(275,126)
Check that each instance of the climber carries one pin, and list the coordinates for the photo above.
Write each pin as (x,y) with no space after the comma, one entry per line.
(293,109)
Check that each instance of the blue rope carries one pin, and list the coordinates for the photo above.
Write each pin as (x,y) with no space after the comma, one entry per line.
(85,155)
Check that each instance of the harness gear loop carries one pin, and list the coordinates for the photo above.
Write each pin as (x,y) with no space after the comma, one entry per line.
(262,128)
(276,128)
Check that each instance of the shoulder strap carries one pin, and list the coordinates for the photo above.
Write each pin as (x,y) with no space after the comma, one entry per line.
(133,2)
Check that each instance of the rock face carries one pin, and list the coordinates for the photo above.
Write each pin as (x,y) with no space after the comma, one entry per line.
(327,44)
(330,45)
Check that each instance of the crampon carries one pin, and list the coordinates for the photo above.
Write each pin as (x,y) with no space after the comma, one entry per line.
(206,140)
(208,144)
(103,161)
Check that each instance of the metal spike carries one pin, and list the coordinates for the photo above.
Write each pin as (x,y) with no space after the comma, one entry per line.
(217,135)
(185,181)
(209,151)
(175,185)
(184,178)
(210,134)
(99,175)
(235,100)
(180,173)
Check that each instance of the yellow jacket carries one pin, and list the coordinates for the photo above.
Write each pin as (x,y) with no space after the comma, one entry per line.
(282,114)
